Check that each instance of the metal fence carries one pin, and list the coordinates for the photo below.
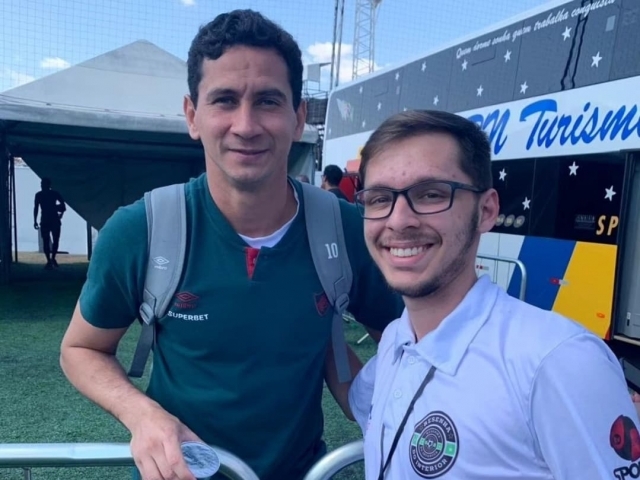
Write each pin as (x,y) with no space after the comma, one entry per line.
(64,455)
(336,461)
(501,270)
(60,455)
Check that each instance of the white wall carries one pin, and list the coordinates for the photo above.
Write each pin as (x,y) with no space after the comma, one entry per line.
(73,237)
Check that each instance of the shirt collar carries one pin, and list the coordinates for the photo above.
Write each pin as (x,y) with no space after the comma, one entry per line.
(445,347)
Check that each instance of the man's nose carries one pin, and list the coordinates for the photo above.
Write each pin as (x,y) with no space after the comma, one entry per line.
(245,122)
(402,215)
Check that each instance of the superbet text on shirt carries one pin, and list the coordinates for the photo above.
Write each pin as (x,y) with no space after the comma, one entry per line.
(518,393)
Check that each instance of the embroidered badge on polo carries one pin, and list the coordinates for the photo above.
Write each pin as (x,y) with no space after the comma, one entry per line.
(434,445)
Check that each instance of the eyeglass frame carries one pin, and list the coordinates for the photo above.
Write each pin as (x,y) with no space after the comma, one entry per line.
(405,193)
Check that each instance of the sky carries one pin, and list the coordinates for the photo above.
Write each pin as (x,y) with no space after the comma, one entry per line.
(40,37)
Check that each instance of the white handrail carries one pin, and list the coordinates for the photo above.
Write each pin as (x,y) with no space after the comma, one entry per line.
(336,460)
(29,455)
(517,263)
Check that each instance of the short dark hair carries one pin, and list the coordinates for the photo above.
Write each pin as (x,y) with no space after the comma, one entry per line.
(45,182)
(475,148)
(248,28)
(333,174)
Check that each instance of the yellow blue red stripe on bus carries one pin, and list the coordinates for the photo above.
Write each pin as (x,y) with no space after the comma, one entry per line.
(575,279)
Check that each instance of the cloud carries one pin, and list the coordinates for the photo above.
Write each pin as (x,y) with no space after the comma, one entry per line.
(188,3)
(320,52)
(54,63)
(16,78)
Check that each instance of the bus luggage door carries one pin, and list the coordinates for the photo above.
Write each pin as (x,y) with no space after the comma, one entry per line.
(628,305)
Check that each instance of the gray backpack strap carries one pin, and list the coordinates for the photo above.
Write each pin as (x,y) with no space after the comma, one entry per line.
(329,252)
(167,232)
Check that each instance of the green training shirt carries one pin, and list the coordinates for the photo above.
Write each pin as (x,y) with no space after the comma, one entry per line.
(240,354)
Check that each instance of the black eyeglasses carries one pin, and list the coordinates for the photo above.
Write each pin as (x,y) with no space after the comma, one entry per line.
(424,198)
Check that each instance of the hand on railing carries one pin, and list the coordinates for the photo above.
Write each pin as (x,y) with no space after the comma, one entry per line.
(155,445)
(62,455)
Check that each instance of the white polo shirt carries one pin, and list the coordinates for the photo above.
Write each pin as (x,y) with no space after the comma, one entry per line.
(518,393)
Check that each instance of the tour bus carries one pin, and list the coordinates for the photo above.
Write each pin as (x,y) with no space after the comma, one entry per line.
(557,90)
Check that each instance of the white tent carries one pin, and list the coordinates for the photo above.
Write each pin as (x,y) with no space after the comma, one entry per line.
(109,129)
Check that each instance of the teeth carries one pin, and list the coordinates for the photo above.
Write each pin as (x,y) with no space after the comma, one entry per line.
(406,252)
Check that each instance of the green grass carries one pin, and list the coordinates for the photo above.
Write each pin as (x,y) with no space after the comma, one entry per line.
(38,405)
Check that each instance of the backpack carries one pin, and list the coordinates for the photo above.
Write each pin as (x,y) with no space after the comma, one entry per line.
(167,232)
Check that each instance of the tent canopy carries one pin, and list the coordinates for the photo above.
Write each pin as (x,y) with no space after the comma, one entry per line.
(109,129)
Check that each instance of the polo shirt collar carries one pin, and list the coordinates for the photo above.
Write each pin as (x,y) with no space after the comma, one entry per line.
(445,346)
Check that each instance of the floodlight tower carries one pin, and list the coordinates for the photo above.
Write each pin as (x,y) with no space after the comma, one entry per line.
(364,37)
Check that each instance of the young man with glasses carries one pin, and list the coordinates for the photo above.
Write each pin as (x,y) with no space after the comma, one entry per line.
(470,383)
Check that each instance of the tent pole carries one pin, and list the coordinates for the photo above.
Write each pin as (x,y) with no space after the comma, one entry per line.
(14,204)
(5,212)
(89,242)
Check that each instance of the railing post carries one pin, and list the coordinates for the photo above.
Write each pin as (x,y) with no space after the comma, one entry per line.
(336,460)
(518,264)
(27,473)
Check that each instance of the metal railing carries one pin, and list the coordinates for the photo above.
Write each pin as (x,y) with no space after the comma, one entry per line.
(336,461)
(65,455)
(30,455)
(509,261)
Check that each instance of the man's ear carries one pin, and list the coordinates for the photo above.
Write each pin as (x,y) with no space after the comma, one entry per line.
(301,118)
(489,210)
(190,114)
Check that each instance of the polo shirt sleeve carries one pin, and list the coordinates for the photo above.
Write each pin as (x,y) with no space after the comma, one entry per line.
(361,393)
(371,302)
(582,415)
(111,294)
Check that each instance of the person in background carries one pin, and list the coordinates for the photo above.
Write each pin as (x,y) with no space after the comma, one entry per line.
(331,178)
(52,207)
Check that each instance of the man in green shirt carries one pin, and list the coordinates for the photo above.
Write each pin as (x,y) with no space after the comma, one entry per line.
(240,356)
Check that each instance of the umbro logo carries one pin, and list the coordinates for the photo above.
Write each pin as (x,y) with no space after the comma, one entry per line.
(160,263)
(186,300)
(186,297)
